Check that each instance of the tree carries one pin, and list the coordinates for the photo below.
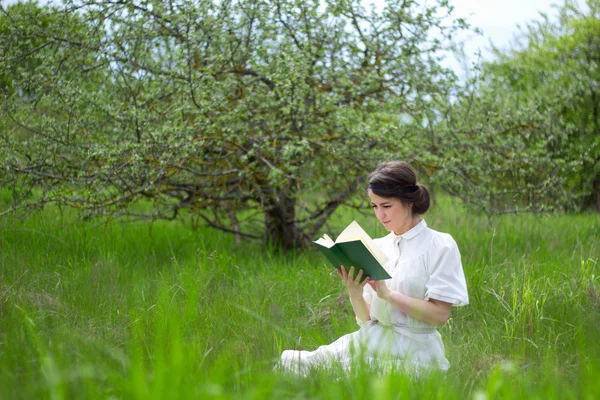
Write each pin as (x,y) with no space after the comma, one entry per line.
(43,76)
(554,72)
(261,117)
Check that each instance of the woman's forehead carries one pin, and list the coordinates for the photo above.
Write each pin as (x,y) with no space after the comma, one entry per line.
(378,199)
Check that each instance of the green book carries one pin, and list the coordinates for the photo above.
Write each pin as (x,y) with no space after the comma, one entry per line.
(354,247)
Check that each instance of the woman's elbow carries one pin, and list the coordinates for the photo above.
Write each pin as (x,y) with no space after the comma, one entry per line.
(441,317)
(442,313)
(441,320)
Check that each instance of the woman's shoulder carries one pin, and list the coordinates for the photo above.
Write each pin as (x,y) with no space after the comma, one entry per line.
(442,239)
(441,243)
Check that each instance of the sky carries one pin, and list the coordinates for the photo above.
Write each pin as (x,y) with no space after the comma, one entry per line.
(499,20)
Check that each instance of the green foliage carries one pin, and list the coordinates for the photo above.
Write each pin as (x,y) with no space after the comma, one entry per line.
(24,48)
(546,87)
(261,117)
(129,311)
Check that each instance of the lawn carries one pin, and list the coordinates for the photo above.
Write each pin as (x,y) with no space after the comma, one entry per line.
(141,311)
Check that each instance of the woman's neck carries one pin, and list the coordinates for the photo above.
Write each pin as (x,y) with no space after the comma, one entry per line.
(411,223)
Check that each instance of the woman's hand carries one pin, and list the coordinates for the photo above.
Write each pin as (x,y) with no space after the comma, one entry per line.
(354,286)
(383,291)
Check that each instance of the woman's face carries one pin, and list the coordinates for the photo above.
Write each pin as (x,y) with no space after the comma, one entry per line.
(392,213)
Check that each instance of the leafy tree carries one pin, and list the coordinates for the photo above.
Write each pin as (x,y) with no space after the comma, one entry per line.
(261,117)
(552,73)
(44,74)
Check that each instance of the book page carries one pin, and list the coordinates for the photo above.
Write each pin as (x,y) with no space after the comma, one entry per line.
(325,241)
(355,232)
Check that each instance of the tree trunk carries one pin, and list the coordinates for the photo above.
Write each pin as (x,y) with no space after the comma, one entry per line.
(592,200)
(281,229)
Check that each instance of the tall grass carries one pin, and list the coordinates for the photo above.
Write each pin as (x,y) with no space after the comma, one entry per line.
(139,311)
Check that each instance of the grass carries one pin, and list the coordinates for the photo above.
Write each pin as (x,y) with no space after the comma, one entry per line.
(139,312)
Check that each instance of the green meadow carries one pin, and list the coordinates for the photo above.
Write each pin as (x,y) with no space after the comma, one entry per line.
(160,311)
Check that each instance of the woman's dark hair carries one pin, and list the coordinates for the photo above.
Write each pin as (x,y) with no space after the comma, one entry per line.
(398,179)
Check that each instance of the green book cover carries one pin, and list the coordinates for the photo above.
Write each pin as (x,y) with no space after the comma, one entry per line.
(354,247)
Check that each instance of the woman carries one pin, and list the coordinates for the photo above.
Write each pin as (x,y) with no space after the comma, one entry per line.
(398,317)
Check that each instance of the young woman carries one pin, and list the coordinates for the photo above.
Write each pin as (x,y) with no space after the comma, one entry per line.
(398,317)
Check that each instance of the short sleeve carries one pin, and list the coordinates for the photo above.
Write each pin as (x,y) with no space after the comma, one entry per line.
(447,280)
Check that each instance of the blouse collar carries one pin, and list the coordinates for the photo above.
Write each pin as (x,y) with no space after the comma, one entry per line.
(411,233)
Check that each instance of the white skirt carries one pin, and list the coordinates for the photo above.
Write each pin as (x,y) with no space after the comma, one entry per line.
(386,347)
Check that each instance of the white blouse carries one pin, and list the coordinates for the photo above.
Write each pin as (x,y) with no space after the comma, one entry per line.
(424,264)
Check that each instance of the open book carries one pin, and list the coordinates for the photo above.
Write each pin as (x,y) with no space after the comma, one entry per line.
(354,247)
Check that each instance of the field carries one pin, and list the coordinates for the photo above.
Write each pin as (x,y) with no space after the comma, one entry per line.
(140,311)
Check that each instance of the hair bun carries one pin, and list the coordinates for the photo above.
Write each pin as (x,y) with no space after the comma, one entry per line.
(398,179)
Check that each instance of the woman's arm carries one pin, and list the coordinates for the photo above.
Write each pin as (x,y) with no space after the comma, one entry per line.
(355,290)
(433,311)
(361,308)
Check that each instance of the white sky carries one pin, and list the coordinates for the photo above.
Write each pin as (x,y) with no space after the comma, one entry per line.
(499,19)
